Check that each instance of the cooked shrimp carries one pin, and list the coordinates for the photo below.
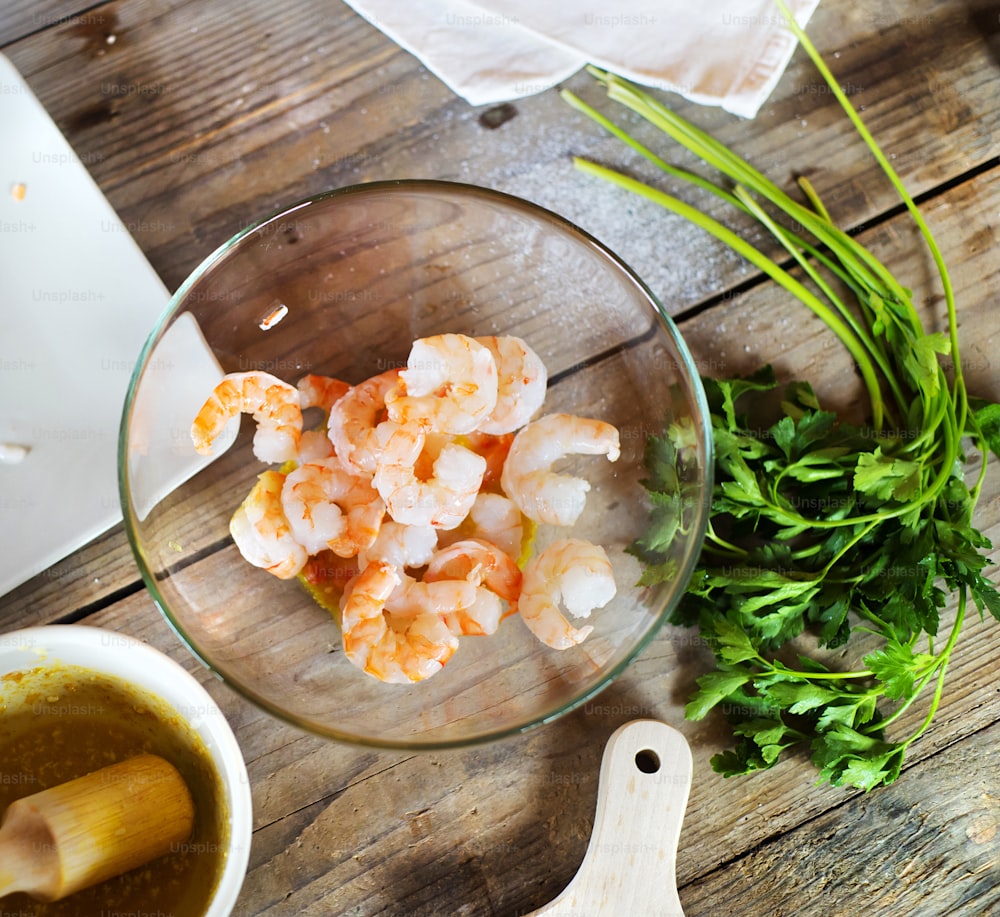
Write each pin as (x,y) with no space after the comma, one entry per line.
(262,532)
(497,519)
(321,392)
(466,608)
(411,649)
(481,618)
(540,493)
(354,418)
(442,500)
(274,405)
(401,545)
(492,448)
(575,571)
(522,379)
(328,507)
(494,574)
(314,445)
(418,597)
(480,562)
(449,385)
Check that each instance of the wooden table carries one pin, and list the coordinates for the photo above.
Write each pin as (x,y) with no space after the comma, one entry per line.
(196,118)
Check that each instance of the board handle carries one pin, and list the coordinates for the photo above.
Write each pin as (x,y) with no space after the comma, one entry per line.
(630,863)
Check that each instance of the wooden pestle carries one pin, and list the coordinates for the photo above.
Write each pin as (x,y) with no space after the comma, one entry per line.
(90,829)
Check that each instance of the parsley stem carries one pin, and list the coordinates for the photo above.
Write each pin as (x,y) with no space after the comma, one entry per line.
(893,177)
(758,259)
(675,171)
(918,687)
(959,394)
(726,546)
(814,199)
(981,477)
(854,256)
(944,656)
(787,237)
(824,676)
(861,533)
(757,211)
(929,434)
(783,514)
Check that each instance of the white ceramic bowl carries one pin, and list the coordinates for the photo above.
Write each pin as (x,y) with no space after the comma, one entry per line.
(151,672)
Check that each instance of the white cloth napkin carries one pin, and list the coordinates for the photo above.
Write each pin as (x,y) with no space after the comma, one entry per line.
(715,52)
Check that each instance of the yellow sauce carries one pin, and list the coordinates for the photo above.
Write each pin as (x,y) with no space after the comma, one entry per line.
(62,722)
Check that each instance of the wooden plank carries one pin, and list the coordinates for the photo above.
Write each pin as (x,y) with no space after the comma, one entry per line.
(928,844)
(21,18)
(263,119)
(71,587)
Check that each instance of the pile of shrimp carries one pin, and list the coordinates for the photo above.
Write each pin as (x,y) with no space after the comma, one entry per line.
(420,492)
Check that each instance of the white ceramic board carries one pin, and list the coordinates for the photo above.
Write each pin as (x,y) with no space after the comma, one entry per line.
(77,300)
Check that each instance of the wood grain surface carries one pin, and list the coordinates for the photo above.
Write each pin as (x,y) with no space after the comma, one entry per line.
(197,118)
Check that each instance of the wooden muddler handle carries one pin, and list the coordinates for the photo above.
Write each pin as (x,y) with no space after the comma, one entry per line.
(90,829)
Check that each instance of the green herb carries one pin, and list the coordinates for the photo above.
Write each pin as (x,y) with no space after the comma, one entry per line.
(820,528)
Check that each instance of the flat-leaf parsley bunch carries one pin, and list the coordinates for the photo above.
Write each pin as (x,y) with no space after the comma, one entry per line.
(818,525)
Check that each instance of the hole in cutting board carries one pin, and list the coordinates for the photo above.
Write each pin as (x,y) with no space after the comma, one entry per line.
(647,760)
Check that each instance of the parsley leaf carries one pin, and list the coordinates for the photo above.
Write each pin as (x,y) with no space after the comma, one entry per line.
(886,478)
(986,417)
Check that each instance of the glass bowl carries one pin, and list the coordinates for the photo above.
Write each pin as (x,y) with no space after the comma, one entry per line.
(341,284)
